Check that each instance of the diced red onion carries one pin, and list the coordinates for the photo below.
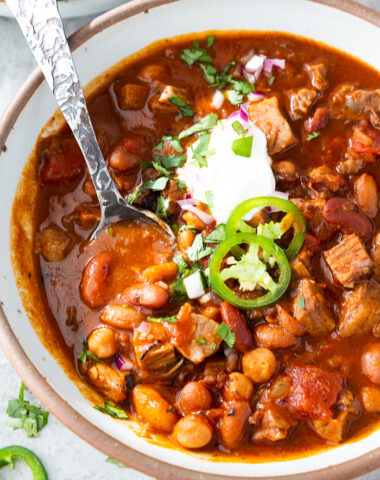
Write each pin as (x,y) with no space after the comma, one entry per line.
(188,195)
(268,66)
(278,62)
(255,63)
(258,64)
(256,96)
(217,99)
(121,363)
(244,113)
(187,201)
(241,115)
(249,77)
(240,69)
(204,217)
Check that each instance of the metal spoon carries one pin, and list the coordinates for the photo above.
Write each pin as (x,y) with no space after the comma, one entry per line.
(42,27)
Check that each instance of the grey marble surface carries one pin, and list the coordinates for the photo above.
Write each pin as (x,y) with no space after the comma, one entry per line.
(65,456)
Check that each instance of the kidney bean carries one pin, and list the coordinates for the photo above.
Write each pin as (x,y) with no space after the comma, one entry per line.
(366,197)
(234,318)
(317,120)
(233,424)
(94,280)
(341,214)
(146,295)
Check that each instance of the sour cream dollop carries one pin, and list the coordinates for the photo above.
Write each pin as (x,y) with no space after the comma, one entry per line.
(230,178)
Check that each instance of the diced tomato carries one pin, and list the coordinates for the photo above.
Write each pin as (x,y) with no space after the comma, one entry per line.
(314,391)
(365,139)
(312,243)
(62,161)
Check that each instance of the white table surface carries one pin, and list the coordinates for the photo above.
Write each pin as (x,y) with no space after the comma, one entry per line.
(65,455)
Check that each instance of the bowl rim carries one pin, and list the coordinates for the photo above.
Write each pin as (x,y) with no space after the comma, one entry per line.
(39,385)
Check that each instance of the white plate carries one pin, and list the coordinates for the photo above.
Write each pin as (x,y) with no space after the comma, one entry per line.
(75,8)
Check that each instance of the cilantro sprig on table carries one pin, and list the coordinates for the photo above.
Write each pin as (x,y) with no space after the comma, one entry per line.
(29,417)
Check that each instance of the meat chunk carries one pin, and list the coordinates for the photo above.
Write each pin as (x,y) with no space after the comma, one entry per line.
(172,194)
(335,430)
(353,162)
(53,244)
(361,310)
(310,308)
(349,261)
(317,74)
(300,102)
(109,381)
(349,103)
(161,101)
(194,335)
(327,177)
(267,116)
(317,120)
(132,96)
(375,252)
(274,424)
(313,213)
(313,391)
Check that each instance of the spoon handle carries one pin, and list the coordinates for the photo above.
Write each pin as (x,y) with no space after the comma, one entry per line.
(42,27)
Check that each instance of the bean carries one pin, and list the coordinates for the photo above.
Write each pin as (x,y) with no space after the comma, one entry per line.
(102,342)
(146,295)
(195,396)
(238,387)
(375,252)
(193,431)
(193,221)
(340,213)
(366,197)
(122,160)
(274,336)
(370,362)
(152,409)
(233,424)
(286,170)
(153,72)
(53,244)
(210,311)
(162,271)
(259,364)
(235,319)
(94,281)
(186,238)
(122,316)
(370,398)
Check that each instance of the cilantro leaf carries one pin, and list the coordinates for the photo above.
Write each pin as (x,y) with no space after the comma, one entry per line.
(242,86)
(161,209)
(183,266)
(205,124)
(86,353)
(179,289)
(237,126)
(249,270)
(115,462)
(155,185)
(111,409)
(234,97)
(218,235)
(197,249)
(271,80)
(183,106)
(210,73)
(201,152)
(201,341)
(226,334)
(196,54)
(312,136)
(210,40)
(170,161)
(161,169)
(174,142)
(171,319)
(29,417)
(302,303)
(270,230)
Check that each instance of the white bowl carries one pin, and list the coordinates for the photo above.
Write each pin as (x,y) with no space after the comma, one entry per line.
(340,23)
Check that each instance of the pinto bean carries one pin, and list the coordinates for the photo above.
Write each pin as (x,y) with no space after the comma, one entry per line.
(366,197)
(235,319)
(186,238)
(274,336)
(341,214)
(102,342)
(238,387)
(122,160)
(370,398)
(375,252)
(162,271)
(193,221)
(53,244)
(259,364)
(233,424)
(152,409)
(286,170)
(193,431)
(94,280)
(146,295)
(370,361)
(122,316)
(195,396)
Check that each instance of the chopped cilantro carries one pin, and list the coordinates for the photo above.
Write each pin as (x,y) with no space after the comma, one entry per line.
(156,185)
(179,289)
(302,303)
(29,417)
(174,142)
(86,354)
(218,235)
(213,347)
(271,80)
(226,334)
(210,72)
(170,161)
(201,152)
(145,164)
(237,126)
(312,136)
(201,341)
(234,97)
(205,124)
(161,169)
(161,209)
(171,319)
(183,266)
(188,227)
(111,409)
(198,250)
(115,462)
(242,86)
(183,106)
(210,40)
(242,146)
(210,199)
(196,54)
(180,184)
(110,231)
